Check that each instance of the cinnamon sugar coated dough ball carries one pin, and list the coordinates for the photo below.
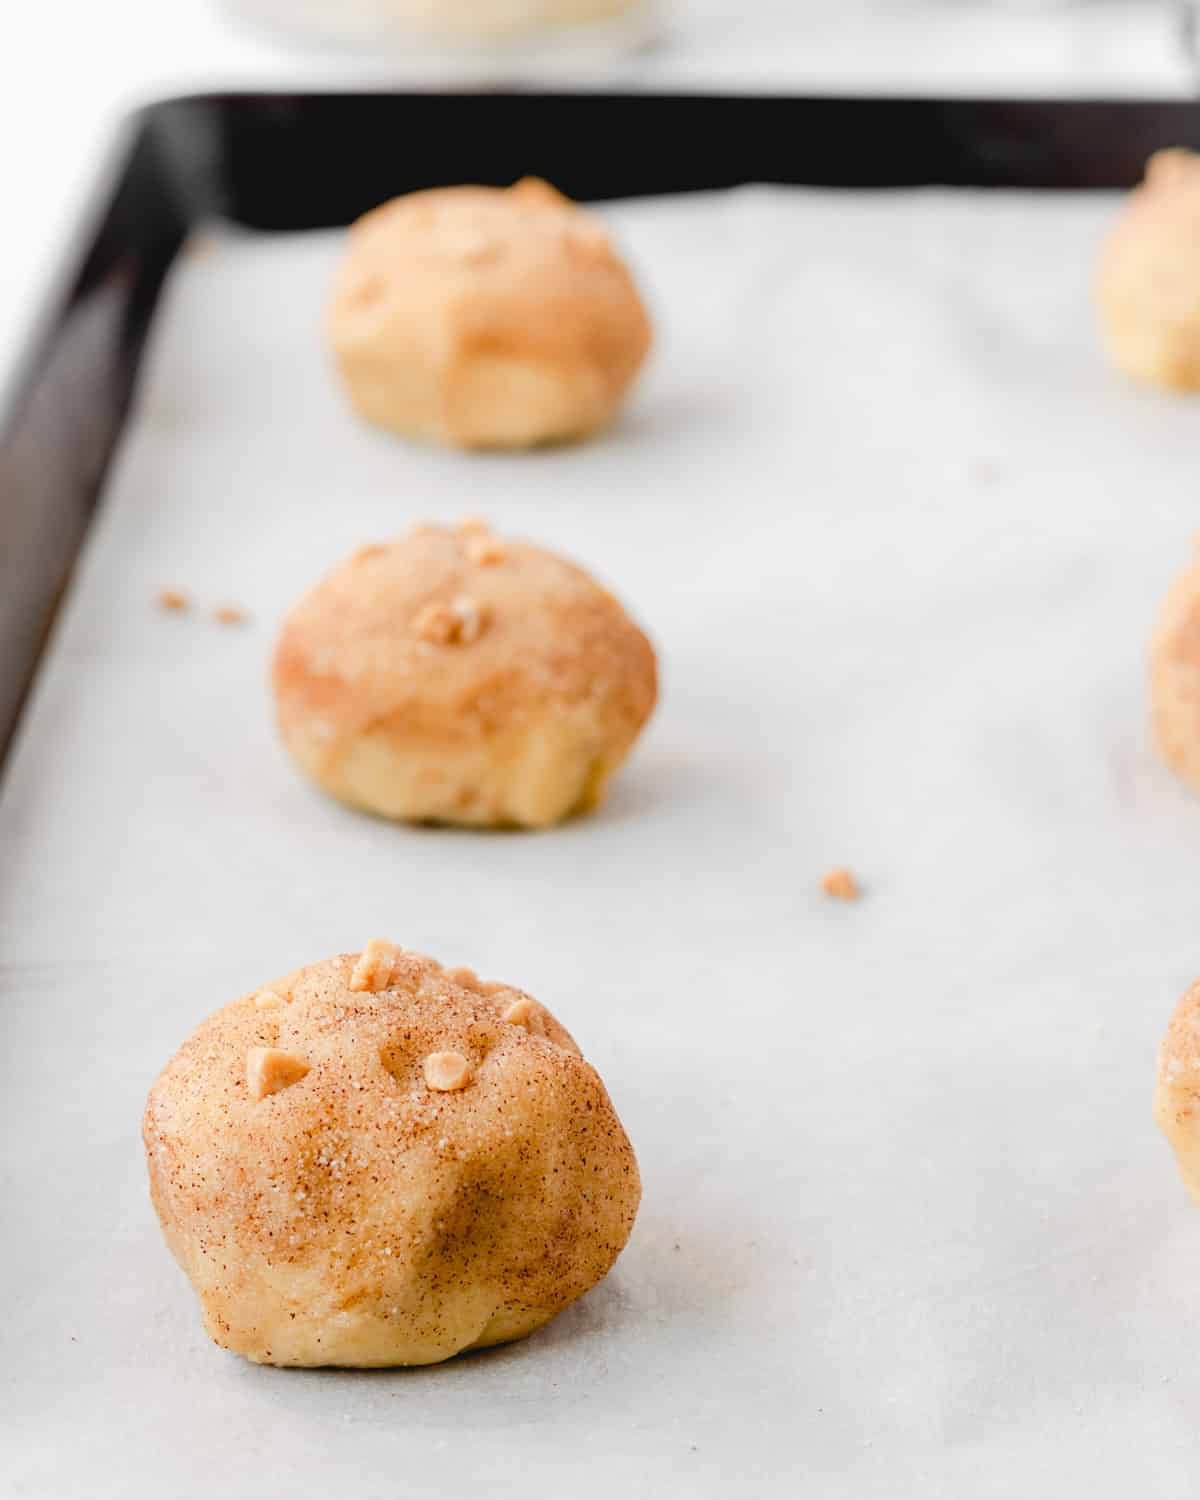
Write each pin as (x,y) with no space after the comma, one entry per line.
(1177,1093)
(386,1163)
(1148,284)
(1175,677)
(486,318)
(453,677)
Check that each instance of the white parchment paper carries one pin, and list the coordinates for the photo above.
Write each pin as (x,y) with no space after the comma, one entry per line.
(899,536)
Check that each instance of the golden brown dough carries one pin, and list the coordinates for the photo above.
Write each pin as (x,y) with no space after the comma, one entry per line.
(486,318)
(388,1173)
(1148,283)
(454,677)
(1175,677)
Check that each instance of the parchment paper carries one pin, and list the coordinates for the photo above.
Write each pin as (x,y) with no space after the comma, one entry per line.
(899,536)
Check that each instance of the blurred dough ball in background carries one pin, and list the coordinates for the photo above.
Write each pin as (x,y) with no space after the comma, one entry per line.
(486,318)
(1177,1091)
(456,678)
(1148,282)
(443,21)
(1175,676)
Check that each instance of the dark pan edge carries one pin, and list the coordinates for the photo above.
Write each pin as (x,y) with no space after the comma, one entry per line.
(68,404)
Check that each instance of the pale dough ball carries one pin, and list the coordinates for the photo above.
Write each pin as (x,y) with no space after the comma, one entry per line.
(378,1161)
(1148,284)
(486,318)
(1175,678)
(1177,1092)
(453,677)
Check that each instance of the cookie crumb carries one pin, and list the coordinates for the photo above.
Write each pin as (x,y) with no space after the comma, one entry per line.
(376,966)
(447,1071)
(229,614)
(267,1000)
(268,1070)
(174,599)
(841,885)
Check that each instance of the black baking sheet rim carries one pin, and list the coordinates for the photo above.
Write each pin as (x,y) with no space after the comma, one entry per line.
(301,161)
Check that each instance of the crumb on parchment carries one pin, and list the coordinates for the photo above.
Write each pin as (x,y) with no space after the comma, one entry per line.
(173,599)
(841,884)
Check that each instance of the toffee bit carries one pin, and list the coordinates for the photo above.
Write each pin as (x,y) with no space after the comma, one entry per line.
(527,1013)
(268,1070)
(455,624)
(447,1071)
(376,966)
(487,551)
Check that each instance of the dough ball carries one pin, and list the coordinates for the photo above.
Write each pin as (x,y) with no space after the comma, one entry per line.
(1148,286)
(378,1161)
(1177,1094)
(1175,678)
(453,677)
(486,318)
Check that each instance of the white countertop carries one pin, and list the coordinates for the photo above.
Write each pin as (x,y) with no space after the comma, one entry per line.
(71,72)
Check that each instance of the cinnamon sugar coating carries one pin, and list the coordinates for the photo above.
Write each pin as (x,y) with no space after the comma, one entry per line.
(422,681)
(364,1214)
(1177,1088)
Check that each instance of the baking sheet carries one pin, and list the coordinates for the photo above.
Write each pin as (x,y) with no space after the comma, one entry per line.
(899,536)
